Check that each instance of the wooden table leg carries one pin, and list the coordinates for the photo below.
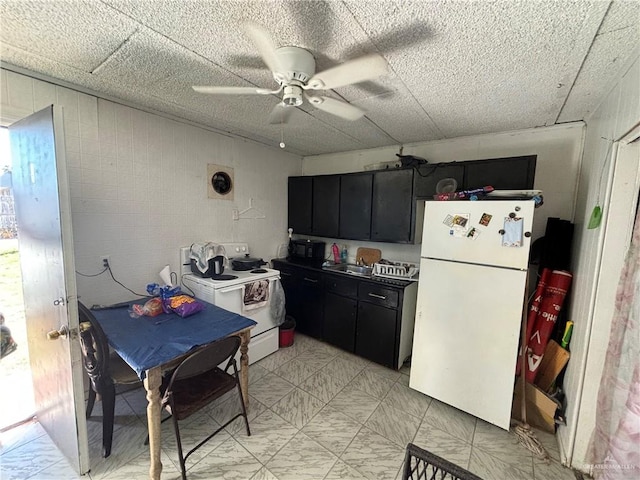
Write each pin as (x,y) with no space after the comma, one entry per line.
(244,366)
(152,384)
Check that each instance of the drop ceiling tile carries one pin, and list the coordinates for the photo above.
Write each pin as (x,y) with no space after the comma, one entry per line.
(80,34)
(505,57)
(616,40)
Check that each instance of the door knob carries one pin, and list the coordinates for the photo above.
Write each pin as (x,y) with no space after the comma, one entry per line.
(63,331)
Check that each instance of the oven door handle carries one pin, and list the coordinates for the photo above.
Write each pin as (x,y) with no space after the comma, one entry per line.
(231,289)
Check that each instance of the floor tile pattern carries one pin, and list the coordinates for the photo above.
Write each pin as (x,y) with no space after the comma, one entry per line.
(316,412)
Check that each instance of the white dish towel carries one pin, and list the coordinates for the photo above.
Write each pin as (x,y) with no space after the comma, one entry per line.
(255,295)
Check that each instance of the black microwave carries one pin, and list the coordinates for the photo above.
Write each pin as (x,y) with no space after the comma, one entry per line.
(306,251)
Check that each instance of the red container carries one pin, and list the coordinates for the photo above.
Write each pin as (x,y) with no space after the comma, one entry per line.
(286,332)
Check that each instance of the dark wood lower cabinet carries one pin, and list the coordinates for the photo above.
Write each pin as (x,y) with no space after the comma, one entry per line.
(340,321)
(304,298)
(363,316)
(375,338)
(311,312)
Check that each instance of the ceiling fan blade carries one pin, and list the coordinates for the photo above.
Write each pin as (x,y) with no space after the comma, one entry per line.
(281,113)
(234,90)
(353,71)
(264,44)
(336,107)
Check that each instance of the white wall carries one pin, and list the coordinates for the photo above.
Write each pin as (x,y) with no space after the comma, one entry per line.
(139,187)
(597,265)
(558,149)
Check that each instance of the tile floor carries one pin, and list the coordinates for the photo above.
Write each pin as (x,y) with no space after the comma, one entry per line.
(316,413)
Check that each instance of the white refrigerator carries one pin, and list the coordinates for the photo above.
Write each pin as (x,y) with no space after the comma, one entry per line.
(471,293)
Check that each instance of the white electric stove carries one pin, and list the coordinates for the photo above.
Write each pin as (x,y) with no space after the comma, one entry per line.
(228,294)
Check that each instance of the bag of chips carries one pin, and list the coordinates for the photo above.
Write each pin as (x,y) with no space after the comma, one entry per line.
(183,305)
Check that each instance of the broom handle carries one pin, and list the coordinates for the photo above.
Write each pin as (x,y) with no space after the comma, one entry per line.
(523,341)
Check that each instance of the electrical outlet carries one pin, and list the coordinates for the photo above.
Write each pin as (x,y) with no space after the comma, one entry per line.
(105,261)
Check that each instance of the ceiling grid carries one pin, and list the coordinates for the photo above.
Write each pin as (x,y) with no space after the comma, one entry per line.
(454,68)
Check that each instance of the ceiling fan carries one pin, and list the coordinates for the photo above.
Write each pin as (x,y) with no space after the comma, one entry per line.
(294,69)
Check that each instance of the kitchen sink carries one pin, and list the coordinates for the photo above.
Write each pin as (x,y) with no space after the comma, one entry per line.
(351,269)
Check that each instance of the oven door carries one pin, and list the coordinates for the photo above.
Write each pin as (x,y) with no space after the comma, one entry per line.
(264,336)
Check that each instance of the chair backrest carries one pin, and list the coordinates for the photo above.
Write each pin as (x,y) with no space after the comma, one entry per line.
(207,358)
(95,349)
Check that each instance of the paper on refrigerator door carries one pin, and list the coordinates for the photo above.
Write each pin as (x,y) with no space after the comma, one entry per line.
(513,230)
(458,224)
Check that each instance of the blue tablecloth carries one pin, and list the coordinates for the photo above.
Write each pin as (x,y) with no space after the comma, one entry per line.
(148,342)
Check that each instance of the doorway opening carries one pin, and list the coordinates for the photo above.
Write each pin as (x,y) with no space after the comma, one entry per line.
(16,399)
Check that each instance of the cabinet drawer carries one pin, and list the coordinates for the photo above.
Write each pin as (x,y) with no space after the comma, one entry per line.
(379,295)
(310,278)
(287,272)
(346,287)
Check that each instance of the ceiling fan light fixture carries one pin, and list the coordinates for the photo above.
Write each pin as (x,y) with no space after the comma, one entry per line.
(292,96)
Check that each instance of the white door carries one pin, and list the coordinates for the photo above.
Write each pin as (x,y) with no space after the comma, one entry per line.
(466,337)
(41,193)
(472,231)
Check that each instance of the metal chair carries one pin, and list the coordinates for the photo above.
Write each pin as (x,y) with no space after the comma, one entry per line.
(198,381)
(419,464)
(105,370)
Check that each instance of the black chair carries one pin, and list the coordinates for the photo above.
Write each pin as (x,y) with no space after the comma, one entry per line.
(419,464)
(105,370)
(198,381)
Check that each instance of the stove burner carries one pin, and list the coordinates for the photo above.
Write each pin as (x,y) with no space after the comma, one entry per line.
(258,270)
(224,276)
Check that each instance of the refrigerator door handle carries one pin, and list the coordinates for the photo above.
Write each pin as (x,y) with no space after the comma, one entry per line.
(381,297)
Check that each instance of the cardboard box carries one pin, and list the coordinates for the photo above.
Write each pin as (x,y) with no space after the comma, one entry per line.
(554,359)
(541,409)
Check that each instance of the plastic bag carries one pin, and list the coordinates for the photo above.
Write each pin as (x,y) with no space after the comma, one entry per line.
(165,291)
(151,308)
(183,305)
(278,303)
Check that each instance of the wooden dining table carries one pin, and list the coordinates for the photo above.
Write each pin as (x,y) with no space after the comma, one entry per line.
(153,345)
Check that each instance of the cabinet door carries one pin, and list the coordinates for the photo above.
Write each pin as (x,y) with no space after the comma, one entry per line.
(355,206)
(311,299)
(392,206)
(427,177)
(340,321)
(303,297)
(376,333)
(326,205)
(300,204)
(515,173)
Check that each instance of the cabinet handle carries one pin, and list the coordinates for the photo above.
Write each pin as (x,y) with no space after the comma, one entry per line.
(310,280)
(285,274)
(375,295)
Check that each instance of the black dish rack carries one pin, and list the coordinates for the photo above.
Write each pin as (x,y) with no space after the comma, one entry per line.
(420,464)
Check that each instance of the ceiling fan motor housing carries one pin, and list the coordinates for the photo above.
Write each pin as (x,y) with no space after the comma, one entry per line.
(295,64)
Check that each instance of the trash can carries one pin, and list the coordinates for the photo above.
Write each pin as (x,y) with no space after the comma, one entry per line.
(286,332)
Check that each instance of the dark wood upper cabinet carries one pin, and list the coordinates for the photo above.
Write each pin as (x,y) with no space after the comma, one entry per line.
(381,205)
(427,177)
(300,204)
(392,206)
(512,173)
(355,206)
(326,205)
